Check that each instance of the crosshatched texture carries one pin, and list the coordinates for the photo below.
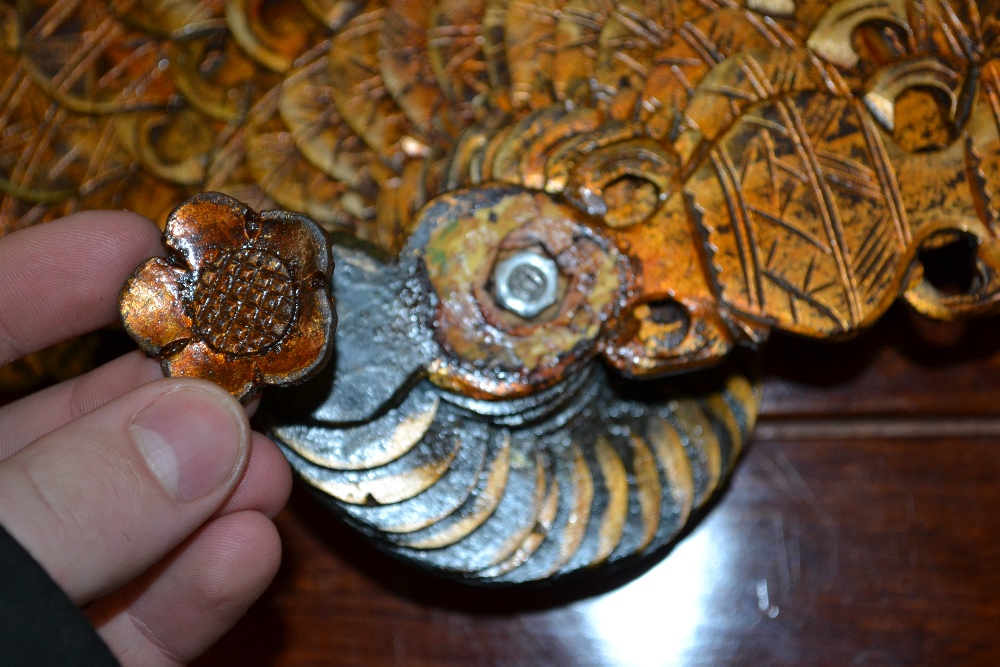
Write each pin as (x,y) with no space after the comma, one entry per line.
(701,173)
(243,303)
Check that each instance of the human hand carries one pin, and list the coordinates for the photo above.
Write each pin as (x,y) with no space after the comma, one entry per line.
(147,499)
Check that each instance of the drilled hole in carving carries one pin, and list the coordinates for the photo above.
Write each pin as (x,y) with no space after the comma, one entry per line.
(672,320)
(629,200)
(177,137)
(949,262)
(878,43)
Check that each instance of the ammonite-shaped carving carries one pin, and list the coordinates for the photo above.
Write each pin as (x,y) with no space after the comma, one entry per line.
(242,300)
(561,200)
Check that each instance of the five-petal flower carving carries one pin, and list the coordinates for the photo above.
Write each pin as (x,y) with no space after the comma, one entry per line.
(242,298)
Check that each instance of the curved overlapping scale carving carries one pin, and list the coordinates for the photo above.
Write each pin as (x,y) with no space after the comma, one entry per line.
(608,470)
(126,81)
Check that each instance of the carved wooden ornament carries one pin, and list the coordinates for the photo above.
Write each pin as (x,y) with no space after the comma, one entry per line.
(539,211)
(241,300)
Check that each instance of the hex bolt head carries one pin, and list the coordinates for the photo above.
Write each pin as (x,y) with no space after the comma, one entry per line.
(526,283)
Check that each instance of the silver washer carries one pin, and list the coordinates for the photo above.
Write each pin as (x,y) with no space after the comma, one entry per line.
(526,283)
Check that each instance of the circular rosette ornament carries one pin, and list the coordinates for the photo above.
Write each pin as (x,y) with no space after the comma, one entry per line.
(241,300)
(525,290)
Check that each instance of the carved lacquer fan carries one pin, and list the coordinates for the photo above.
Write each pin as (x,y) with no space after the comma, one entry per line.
(553,224)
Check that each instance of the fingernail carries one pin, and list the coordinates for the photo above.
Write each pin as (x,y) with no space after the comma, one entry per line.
(191,440)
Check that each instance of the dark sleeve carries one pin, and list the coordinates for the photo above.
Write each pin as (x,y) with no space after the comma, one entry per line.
(38,623)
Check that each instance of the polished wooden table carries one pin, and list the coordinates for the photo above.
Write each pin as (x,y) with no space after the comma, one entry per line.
(862,527)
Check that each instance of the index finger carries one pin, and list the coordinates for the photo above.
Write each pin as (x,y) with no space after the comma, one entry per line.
(62,278)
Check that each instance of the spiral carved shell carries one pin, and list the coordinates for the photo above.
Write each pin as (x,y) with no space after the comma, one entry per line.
(592,470)
(689,174)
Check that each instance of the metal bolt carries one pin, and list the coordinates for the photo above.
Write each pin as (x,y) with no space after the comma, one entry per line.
(526,283)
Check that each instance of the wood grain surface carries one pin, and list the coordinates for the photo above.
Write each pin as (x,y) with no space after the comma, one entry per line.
(860,528)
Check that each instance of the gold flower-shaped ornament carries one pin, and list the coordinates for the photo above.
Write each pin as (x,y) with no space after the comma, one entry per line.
(241,300)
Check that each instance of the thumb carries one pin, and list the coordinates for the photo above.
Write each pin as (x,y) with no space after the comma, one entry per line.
(101,499)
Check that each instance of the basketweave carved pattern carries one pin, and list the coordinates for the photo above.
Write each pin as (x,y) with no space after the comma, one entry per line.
(698,173)
(245,302)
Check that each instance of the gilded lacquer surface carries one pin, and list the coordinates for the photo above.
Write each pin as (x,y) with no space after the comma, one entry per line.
(241,299)
(550,203)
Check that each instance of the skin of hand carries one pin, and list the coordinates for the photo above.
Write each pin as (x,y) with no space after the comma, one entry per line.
(147,499)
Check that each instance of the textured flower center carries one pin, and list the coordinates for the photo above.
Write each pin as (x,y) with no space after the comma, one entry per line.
(244,302)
